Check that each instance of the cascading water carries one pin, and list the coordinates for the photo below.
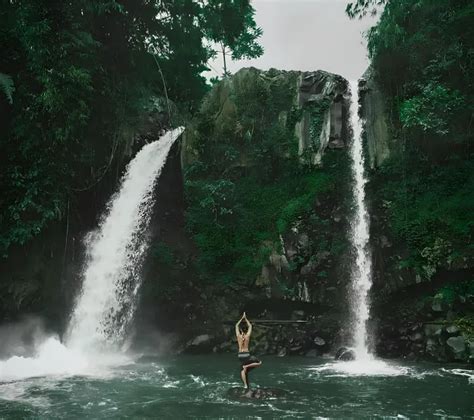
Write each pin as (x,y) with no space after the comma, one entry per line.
(106,304)
(116,249)
(365,364)
(361,272)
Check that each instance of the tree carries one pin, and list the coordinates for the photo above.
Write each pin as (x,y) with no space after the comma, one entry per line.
(224,22)
(83,71)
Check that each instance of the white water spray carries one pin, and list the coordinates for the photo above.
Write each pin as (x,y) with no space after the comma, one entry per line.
(116,249)
(361,272)
(365,364)
(111,280)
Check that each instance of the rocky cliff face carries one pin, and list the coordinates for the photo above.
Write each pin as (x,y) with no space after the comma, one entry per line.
(298,129)
(320,96)
(373,109)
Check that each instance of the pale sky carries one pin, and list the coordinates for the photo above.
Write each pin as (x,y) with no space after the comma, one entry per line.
(307,35)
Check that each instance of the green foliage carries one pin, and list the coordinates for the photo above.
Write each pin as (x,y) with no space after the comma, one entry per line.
(317,112)
(361,8)
(247,186)
(84,72)
(230,229)
(302,203)
(7,86)
(421,54)
(432,110)
(452,292)
(430,210)
(466,325)
(225,24)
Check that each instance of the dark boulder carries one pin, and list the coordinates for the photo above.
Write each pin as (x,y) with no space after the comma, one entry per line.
(256,393)
(345,354)
(320,342)
(457,347)
(203,343)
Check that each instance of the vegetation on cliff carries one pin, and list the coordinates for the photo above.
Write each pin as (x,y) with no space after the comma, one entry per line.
(246,182)
(421,54)
(74,76)
(423,194)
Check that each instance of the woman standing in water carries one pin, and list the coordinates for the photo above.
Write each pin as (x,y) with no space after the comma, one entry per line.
(247,362)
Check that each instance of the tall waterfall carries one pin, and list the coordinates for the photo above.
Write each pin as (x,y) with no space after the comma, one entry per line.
(361,272)
(111,279)
(115,252)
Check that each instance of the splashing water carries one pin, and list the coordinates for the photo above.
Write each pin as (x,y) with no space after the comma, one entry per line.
(101,318)
(361,273)
(116,250)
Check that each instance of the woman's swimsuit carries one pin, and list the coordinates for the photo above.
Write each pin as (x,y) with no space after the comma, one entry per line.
(245,358)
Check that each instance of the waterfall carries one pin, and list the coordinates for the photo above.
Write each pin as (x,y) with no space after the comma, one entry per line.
(115,252)
(111,279)
(361,271)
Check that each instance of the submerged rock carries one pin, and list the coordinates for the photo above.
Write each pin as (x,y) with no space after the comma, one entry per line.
(345,354)
(256,393)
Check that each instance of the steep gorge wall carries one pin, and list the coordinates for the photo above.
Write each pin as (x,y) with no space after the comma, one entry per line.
(267,156)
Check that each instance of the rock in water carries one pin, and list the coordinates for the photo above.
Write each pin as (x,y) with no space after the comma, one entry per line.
(345,354)
(256,393)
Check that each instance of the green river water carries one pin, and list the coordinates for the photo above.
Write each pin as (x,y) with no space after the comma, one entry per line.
(197,387)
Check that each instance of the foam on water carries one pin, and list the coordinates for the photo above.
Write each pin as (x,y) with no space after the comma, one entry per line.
(469,374)
(53,358)
(371,367)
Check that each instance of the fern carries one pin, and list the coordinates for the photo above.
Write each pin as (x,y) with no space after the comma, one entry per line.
(7,86)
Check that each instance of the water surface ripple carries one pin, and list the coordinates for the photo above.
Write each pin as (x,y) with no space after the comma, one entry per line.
(197,387)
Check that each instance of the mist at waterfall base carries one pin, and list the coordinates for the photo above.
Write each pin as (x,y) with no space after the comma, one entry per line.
(98,330)
(365,364)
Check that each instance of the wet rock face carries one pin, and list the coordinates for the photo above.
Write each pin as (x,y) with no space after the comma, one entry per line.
(376,127)
(321,97)
(256,393)
(345,354)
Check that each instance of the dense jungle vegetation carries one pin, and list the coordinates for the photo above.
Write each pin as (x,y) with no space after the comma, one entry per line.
(75,75)
(422,53)
(248,184)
